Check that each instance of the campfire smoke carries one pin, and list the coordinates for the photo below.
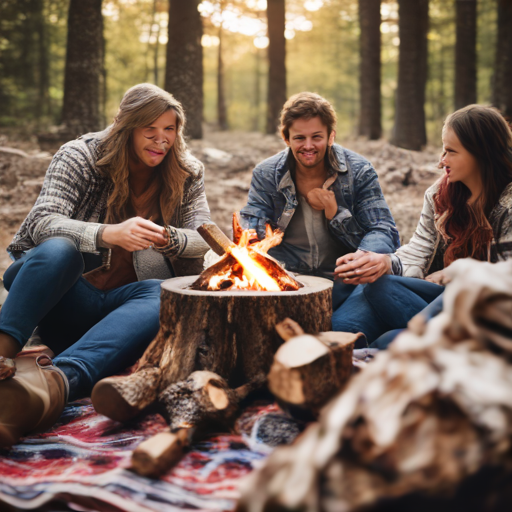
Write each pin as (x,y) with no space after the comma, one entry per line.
(245,264)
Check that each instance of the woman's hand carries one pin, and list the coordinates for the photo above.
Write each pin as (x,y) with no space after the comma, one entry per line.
(362,267)
(439,278)
(321,199)
(134,234)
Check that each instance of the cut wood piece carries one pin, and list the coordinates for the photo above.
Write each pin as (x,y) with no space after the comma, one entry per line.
(232,333)
(202,400)
(160,452)
(215,238)
(309,370)
(121,398)
(288,328)
(223,265)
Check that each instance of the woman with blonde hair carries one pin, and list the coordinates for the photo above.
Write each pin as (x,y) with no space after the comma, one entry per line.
(467,213)
(117,212)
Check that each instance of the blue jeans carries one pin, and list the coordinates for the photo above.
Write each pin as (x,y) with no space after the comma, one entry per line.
(94,333)
(433,309)
(387,304)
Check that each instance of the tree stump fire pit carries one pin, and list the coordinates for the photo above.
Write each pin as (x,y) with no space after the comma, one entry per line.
(232,333)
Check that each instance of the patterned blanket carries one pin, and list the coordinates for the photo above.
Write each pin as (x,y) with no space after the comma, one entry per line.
(85,460)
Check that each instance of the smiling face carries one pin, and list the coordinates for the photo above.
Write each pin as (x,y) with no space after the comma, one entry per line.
(458,163)
(151,143)
(309,142)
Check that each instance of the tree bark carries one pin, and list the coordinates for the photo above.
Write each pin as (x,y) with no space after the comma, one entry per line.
(222,116)
(409,131)
(370,68)
(277,63)
(184,69)
(232,333)
(465,54)
(309,370)
(502,90)
(84,67)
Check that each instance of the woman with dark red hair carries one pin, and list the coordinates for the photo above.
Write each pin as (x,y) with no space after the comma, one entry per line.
(467,213)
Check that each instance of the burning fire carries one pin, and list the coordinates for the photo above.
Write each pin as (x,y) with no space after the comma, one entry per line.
(247,266)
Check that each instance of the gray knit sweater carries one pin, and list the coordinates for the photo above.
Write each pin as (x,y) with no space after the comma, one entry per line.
(73,201)
(415,259)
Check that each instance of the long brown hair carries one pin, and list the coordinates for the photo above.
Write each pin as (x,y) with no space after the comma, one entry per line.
(142,105)
(465,227)
(306,105)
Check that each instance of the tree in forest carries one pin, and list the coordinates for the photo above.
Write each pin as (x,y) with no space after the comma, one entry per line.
(222,115)
(184,68)
(84,68)
(277,66)
(465,53)
(370,67)
(502,81)
(409,131)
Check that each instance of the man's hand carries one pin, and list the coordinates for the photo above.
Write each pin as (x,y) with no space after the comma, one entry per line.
(135,234)
(362,267)
(439,278)
(321,199)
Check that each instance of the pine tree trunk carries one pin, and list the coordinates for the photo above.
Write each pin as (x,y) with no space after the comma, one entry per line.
(409,131)
(277,64)
(184,69)
(465,54)
(222,116)
(84,66)
(369,78)
(502,91)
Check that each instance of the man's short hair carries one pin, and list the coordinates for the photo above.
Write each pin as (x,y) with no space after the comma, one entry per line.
(306,105)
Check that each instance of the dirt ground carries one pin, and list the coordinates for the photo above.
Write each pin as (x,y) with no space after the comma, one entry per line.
(229,158)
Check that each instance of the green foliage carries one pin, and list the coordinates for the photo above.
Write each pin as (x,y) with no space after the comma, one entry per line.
(322,56)
(31,60)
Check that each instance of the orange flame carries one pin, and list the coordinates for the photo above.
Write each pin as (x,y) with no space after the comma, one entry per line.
(248,273)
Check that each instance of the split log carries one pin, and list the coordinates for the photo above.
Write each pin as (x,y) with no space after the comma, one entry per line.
(203,400)
(232,333)
(309,370)
(161,452)
(215,238)
(123,397)
(192,408)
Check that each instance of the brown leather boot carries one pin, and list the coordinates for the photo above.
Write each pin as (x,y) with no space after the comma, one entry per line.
(33,399)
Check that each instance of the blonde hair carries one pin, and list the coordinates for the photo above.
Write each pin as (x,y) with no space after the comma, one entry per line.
(142,105)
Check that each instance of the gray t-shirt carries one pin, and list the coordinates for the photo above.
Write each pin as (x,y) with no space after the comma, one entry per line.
(309,238)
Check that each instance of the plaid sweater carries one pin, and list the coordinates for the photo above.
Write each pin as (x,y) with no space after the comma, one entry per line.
(73,203)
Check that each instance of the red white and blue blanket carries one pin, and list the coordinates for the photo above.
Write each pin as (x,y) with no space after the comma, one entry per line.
(84,462)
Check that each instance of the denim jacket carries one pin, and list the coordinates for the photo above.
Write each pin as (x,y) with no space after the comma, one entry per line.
(363,220)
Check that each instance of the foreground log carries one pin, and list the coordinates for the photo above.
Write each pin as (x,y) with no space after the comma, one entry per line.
(309,370)
(425,416)
(160,452)
(192,408)
(204,400)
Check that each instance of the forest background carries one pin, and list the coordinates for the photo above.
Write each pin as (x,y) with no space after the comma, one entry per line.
(392,69)
(323,54)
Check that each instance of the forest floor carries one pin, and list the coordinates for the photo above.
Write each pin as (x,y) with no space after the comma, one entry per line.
(229,158)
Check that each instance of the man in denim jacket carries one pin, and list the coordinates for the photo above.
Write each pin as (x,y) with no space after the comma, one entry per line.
(325,198)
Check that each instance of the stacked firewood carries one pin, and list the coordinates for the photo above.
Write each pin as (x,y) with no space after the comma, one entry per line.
(422,417)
